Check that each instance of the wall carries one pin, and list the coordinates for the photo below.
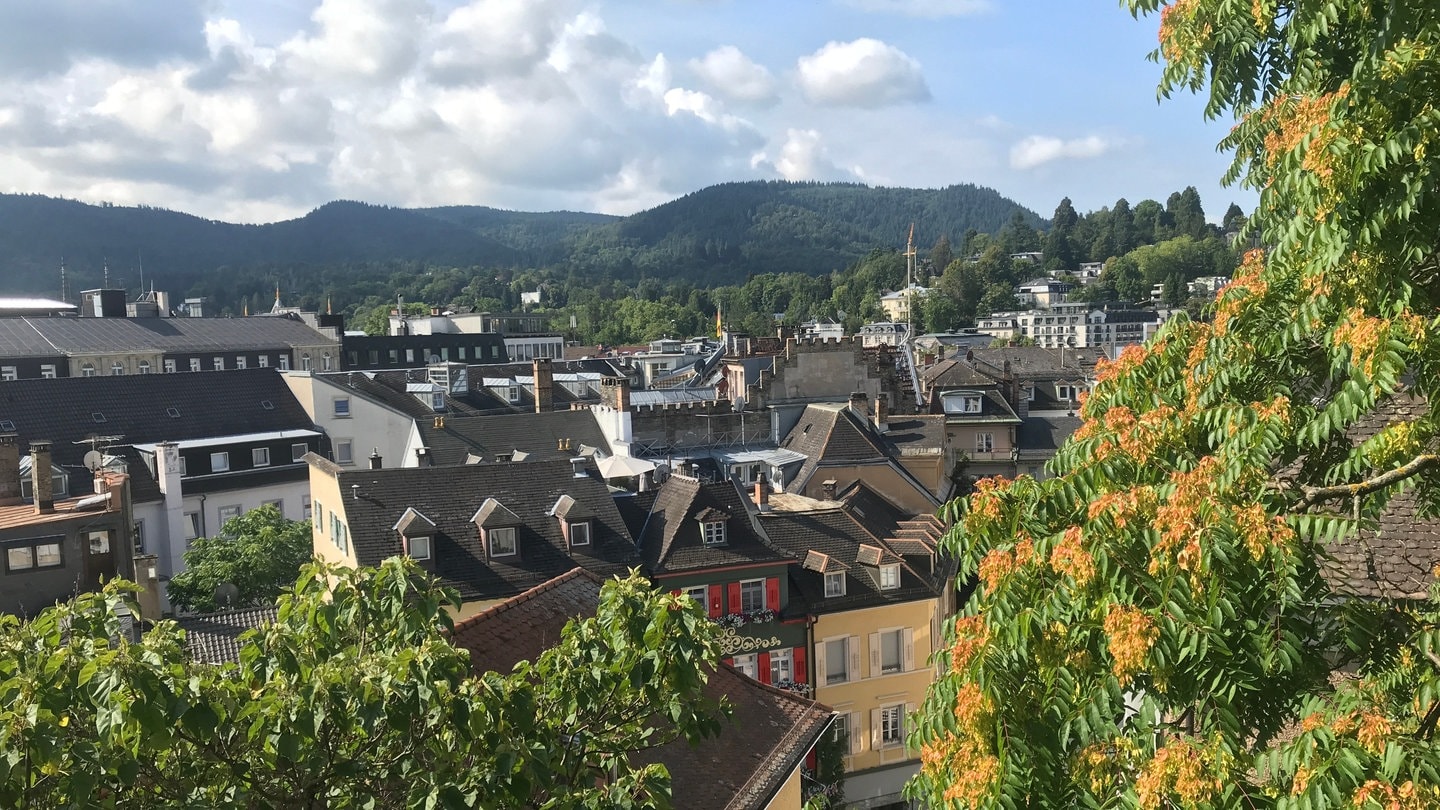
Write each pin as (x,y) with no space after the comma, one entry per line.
(326,497)
(369,427)
(821,371)
(882,478)
(790,796)
(102,363)
(28,592)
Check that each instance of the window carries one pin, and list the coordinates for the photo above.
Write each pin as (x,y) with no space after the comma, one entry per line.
(341,407)
(752,595)
(835,583)
(970,403)
(344,452)
(220,462)
(19,558)
(194,364)
(117,368)
(144,367)
(514,393)
(140,536)
(891,644)
(263,361)
(183,470)
(192,526)
(284,362)
(714,533)
(278,503)
(747,665)
(393,356)
(99,542)
(889,577)
(169,366)
(841,730)
(305,510)
(305,362)
(375,357)
(437,400)
(892,725)
(1064,392)
(837,661)
(9,374)
(782,666)
(409,355)
(87,370)
(701,595)
(47,371)
(325,361)
(502,541)
(419,548)
(580,533)
(984,442)
(298,451)
(1030,393)
(240,361)
(260,457)
(219,363)
(226,514)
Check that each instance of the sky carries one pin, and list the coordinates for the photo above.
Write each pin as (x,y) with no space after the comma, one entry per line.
(261,110)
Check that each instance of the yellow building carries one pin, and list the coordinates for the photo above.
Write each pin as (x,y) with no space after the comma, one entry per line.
(876,590)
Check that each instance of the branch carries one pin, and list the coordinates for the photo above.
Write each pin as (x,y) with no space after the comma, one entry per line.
(1314,495)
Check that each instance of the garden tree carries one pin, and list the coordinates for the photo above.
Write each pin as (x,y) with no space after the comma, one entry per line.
(939,313)
(259,552)
(1186,213)
(1234,218)
(1148,218)
(998,298)
(941,255)
(1151,628)
(1059,247)
(353,698)
(1018,235)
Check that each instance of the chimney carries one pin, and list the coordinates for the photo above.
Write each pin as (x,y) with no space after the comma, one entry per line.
(40,477)
(422,457)
(828,487)
(615,392)
(577,467)
(762,493)
(544,385)
(375,458)
(882,412)
(969,355)
(9,470)
(859,405)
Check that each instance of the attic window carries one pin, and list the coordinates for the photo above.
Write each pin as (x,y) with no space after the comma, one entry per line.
(418,547)
(714,532)
(889,577)
(514,393)
(173,413)
(97,417)
(835,584)
(502,541)
(580,533)
(267,404)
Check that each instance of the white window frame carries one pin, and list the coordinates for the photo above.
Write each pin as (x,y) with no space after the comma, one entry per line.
(782,665)
(184,470)
(263,361)
(984,442)
(971,403)
(701,594)
(98,542)
(260,457)
(514,394)
(714,532)
(422,553)
(748,664)
(220,461)
(890,577)
(47,371)
(233,511)
(169,365)
(87,370)
(580,533)
(748,589)
(830,675)
(143,366)
(494,536)
(194,364)
(9,373)
(306,507)
(284,362)
(192,527)
(117,369)
(298,451)
(340,407)
(240,362)
(896,635)
(892,725)
(218,363)
(325,362)
(305,361)
(834,584)
(344,451)
(1065,393)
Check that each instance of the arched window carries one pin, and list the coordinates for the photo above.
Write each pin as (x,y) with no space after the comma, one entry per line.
(305,362)
(116,369)
(144,366)
(325,361)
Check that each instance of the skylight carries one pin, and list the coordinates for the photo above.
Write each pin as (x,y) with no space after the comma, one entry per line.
(267,404)
(97,417)
(6,425)
(173,413)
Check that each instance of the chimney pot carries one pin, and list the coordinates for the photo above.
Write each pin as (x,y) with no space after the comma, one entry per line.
(859,404)
(762,493)
(40,478)
(828,487)
(882,412)
(375,459)
(9,470)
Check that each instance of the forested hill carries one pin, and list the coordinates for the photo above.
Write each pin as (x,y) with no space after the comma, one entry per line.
(716,235)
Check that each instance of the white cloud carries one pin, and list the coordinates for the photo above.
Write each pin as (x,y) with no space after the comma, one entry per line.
(1039,149)
(922,8)
(804,156)
(730,73)
(862,73)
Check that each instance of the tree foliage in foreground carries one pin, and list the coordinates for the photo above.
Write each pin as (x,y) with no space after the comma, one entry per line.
(1152,628)
(353,698)
(259,552)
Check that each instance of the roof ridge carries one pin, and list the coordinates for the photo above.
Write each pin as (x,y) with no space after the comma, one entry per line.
(578,572)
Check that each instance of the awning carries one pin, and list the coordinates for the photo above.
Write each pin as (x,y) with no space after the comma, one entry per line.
(624,467)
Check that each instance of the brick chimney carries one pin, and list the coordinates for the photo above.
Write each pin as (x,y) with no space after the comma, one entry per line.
(615,392)
(9,470)
(762,493)
(882,412)
(828,487)
(860,406)
(40,478)
(544,385)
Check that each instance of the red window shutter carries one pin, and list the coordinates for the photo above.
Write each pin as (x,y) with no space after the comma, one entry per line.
(675,592)
(717,601)
(798,657)
(734,597)
(762,667)
(729,662)
(772,593)
(810,760)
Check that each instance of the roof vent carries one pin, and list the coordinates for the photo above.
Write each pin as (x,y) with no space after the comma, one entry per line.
(7,426)
(267,404)
(97,417)
(577,465)
(173,413)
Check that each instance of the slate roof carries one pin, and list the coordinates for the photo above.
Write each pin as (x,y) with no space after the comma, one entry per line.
(388,386)
(955,374)
(769,732)
(830,432)
(1034,362)
(1043,435)
(673,542)
(922,434)
(451,496)
(214,638)
(72,336)
(538,434)
(135,406)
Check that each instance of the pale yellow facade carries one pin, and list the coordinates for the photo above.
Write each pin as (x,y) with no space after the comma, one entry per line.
(872,697)
(330,529)
(790,796)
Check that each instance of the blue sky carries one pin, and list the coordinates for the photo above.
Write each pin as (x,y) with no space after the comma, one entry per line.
(258,110)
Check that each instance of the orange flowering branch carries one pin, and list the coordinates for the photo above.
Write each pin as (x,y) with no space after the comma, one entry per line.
(1314,495)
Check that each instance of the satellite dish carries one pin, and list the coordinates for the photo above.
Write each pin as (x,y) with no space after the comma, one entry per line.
(94,460)
(434,358)
(226,594)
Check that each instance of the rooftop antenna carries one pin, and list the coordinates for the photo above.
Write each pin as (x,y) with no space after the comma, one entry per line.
(64,287)
(140,263)
(106,262)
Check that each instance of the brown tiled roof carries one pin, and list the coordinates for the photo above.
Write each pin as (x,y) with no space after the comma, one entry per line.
(769,732)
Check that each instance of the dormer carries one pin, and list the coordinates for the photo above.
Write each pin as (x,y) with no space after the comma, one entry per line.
(962,402)
(831,570)
(576,521)
(882,566)
(59,481)
(431,395)
(499,530)
(417,535)
(713,526)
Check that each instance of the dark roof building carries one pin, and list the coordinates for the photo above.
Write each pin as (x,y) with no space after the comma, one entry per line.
(214,638)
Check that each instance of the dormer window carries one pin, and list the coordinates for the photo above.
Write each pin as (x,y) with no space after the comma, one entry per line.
(835,584)
(416,531)
(714,532)
(514,393)
(889,577)
(497,527)
(579,533)
(418,548)
(501,541)
(962,401)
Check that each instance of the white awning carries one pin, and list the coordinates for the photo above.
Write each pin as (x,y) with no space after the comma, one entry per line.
(624,467)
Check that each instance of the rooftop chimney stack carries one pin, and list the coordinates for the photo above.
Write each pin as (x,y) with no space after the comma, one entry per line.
(828,487)
(375,459)
(544,385)
(615,392)
(882,412)
(762,493)
(40,478)
(859,405)
(9,470)
(422,457)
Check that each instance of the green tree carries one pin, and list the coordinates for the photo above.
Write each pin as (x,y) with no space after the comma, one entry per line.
(1151,626)
(259,552)
(941,255)
(353,698)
